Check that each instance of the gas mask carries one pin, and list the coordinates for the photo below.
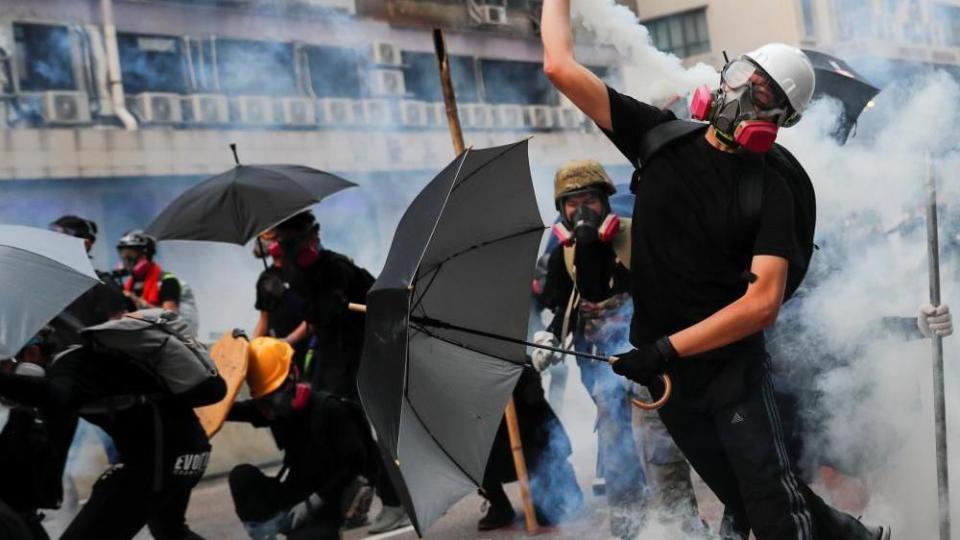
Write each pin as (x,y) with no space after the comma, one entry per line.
(138,265)
(587,227)
(299,249)
(745,113)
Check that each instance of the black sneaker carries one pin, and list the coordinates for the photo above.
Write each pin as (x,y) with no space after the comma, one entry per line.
(497,516)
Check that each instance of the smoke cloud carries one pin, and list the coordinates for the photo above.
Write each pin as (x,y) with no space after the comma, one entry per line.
(649,74)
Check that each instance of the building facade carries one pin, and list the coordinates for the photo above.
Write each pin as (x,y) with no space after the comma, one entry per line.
(882,38)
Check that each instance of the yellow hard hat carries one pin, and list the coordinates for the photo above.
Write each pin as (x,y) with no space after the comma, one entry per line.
(579,175)
(269,365)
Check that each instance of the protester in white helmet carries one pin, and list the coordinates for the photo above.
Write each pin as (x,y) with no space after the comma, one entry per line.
(720,235)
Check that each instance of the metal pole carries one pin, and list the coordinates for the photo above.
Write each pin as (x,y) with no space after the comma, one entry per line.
(939,406)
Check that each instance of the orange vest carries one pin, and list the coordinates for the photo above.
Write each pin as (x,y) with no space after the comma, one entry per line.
(151,285)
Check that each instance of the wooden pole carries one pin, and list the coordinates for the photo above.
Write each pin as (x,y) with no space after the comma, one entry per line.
(513,426)
(449,97)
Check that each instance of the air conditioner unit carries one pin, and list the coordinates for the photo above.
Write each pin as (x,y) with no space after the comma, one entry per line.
(387,82)
(538,117)
(476,116)
(296,111)
(496,15)
(338,111)
(378,112)
(386,54)
(570,118)
(205,109)
(158,108)
(60,106)
(413,114)
(508,117)
(255,110)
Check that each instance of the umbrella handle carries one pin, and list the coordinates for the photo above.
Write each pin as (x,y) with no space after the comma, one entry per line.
(357,308)
(654,405)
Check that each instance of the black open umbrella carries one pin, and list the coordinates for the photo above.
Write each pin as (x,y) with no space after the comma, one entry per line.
(237,205)
(446,324)
(836,79)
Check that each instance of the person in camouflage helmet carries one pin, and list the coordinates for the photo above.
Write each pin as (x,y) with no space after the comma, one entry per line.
(587,284)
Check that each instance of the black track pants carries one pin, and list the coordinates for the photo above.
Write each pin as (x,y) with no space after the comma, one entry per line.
(739,451)
(122,502)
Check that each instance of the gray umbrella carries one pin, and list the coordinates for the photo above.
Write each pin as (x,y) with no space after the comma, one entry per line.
(445,326)
(42,272)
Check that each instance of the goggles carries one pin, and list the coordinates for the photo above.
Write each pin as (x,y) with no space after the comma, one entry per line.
(763,92)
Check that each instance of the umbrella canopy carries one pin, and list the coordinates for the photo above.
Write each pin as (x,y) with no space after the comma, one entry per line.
(42,272)
(836,79)
(462,258)
(237,205)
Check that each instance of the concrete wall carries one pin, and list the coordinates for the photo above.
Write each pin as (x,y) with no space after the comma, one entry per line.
(97,153)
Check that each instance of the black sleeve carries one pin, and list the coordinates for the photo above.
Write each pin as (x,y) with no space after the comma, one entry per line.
(210,391)
(631,119)
(270,289)
(170,290)
(246,411)
(775,232)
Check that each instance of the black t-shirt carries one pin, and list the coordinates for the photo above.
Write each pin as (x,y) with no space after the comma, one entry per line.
(690,248)
(327,285)
(285,308)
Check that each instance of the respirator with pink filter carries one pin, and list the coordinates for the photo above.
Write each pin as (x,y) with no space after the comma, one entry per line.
(747,110)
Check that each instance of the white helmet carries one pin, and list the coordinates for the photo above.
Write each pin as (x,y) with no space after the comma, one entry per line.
(790,68)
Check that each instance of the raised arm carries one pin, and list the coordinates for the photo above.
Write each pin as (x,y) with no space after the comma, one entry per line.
(573,80)
(754,311)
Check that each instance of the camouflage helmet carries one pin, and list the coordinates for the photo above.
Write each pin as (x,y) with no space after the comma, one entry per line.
(580,175)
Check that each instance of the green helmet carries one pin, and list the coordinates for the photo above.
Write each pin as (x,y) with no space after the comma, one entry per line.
(581,175)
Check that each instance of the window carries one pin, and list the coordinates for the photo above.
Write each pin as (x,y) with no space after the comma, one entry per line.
(948,17)
(521,83)
(44,56)
(255,67)
(151,63)
(683,34)
(855,19)
(334,71)
(422,77)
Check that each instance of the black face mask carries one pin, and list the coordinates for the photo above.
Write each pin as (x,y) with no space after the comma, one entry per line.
(586,225)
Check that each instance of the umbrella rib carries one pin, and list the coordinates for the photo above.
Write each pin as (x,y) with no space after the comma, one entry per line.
(465,346)
(476,246)
(441,324)
(491,160)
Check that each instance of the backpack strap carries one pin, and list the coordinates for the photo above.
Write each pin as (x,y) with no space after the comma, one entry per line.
(621,243)
(662,135)
(750,192)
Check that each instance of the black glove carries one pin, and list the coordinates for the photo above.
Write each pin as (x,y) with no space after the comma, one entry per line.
(645,363)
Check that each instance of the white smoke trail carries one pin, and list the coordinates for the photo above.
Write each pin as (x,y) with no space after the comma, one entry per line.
(650,75)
